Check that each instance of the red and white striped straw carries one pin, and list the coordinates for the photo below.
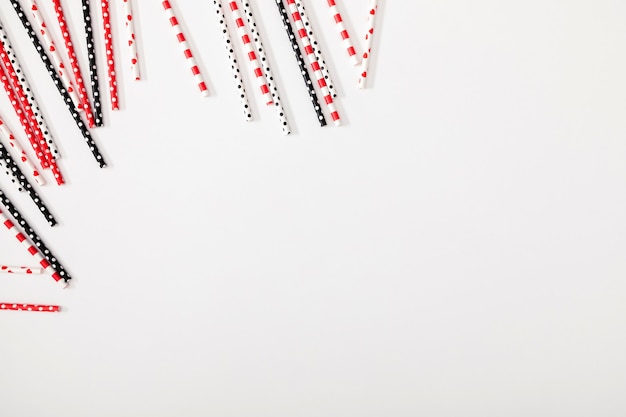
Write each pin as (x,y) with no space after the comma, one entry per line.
(132,44)
(30,307)
(23,156)
(32,249)
(8,269)
(248,47)
(306,43)
(110,53)
(184,45)
(343,32)
(71,53)
(367,50)
(42,29)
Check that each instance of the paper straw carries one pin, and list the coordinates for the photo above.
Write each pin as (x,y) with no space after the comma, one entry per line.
(27,270)
(93,64)
(71,53)
(255,65)
(321,82)
(316,48)
(30,94)
(34,237)
(303,71)
(367,50)
(23,156)
(132,44)
(8,168)
(108,43)
(232,57)
(343,32)
(39,258)
(55,77)
(256,37)
(30,307)
(184,45)
(53,52)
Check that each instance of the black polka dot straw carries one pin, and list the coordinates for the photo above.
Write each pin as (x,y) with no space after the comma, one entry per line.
(7,164)
(57,81)
(12,210)
(93,65)
(301,63)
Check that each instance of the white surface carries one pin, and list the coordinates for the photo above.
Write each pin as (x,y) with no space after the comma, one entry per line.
(455,249)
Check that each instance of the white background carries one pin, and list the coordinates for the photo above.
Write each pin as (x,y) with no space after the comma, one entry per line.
(456,248)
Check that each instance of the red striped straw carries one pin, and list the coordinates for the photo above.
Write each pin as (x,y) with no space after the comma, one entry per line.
(30,307)
(343,32)
(367,50)
(32,249)
(71,53)
(24,158)
(7,269)
(132,44)
(255,66)
(108,42)
(321,82)
(182,41)
(54,53)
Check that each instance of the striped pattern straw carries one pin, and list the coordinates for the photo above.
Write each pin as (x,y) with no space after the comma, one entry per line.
(184,45)
(27,270)
(23,156)
(367,51)
(343,32)
(132,44)
(93,64)
(30,307)
(108,43)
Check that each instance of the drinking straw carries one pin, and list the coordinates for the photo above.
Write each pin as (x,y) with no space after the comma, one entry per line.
(23,156)
(39,258)
(57,81)
(12,174)
(30,307)
(184,45)
(30,94)
(232,57)
(71,53)
(343,32)
(34,237)
(256,37)
(315,67)
(316,47)
(54,53)
(132,44)
(93,64)
(7,269)
(108,43)
(367,50)
(305,74)
(248,47)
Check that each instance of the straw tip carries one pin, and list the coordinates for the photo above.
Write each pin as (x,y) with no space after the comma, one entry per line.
(64,284)
(204,93)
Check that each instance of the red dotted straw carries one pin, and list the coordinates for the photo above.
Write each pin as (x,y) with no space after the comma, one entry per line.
(132,44)
(367,51)
(23,156)
(30,307)
(8,269)
(343,32)
(108,43)
(184,45)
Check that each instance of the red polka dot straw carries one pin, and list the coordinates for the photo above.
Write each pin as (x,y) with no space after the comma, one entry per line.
(23,156)
(28,270)
(343,32)
(132,44)
(321,82)
(367,50)
(248,47)
(110,53)
(30,307)
(32,249)
(71,53)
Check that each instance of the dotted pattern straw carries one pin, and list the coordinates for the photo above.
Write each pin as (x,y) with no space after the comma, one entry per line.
(23,156)
(27,270)
(248,47)
(305,75)
(34,237)
(256,38)
(184,45)
(316,48)
(85,104)
(343,32)
(39,258)
(53,52)
(57,81)
(30,307)
(232,57)
(132,44)
(93,64)
(23,82)
(108,43)
(7,164)
(367,50)
(315,67)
